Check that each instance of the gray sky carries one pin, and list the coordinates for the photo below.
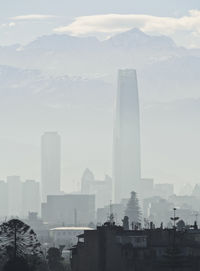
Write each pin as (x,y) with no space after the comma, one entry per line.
(89,7)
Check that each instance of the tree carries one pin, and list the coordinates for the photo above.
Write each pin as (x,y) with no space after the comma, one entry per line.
(55,259)
(19,264)
(133,209)
(37,263)
(180,225)
(126,223)
(17,243)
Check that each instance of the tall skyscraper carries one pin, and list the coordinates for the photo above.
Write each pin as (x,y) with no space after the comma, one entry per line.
(50,164)
(126,160)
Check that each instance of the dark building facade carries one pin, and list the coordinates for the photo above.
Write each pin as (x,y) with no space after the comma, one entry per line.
(111,248)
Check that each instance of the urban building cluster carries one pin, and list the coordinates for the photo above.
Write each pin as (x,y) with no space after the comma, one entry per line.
(141,205)
(18,198)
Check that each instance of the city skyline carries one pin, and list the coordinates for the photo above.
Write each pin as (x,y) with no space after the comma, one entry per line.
(58,70)
(99,142)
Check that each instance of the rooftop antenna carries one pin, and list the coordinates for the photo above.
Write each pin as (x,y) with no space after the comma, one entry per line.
(175,218)
(196,217)
(196,220)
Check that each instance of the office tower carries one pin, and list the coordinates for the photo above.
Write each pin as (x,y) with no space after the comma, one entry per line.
(146,189)
(69,209)
(102,189)
(3,200)
(126,160)
(86,181)
(50,164)
(30,198)
(14,195)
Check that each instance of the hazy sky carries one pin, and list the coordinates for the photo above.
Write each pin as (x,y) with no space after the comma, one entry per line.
(89,7)
(23,20)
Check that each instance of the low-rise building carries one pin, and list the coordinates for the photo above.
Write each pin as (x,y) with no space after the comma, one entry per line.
(66,236)
(111,248)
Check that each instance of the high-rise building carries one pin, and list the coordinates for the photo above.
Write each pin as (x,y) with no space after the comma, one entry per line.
(102,189)
(3,199)
(126,160)
(69,209)
(14,195)
(30,197)
(50,164)
(146,188)
(86,181)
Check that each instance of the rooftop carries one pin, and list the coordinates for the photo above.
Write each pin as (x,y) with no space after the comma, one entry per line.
(71,229)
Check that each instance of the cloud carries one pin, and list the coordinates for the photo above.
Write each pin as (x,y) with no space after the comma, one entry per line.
(110,24)
(11,24)
(33,17)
